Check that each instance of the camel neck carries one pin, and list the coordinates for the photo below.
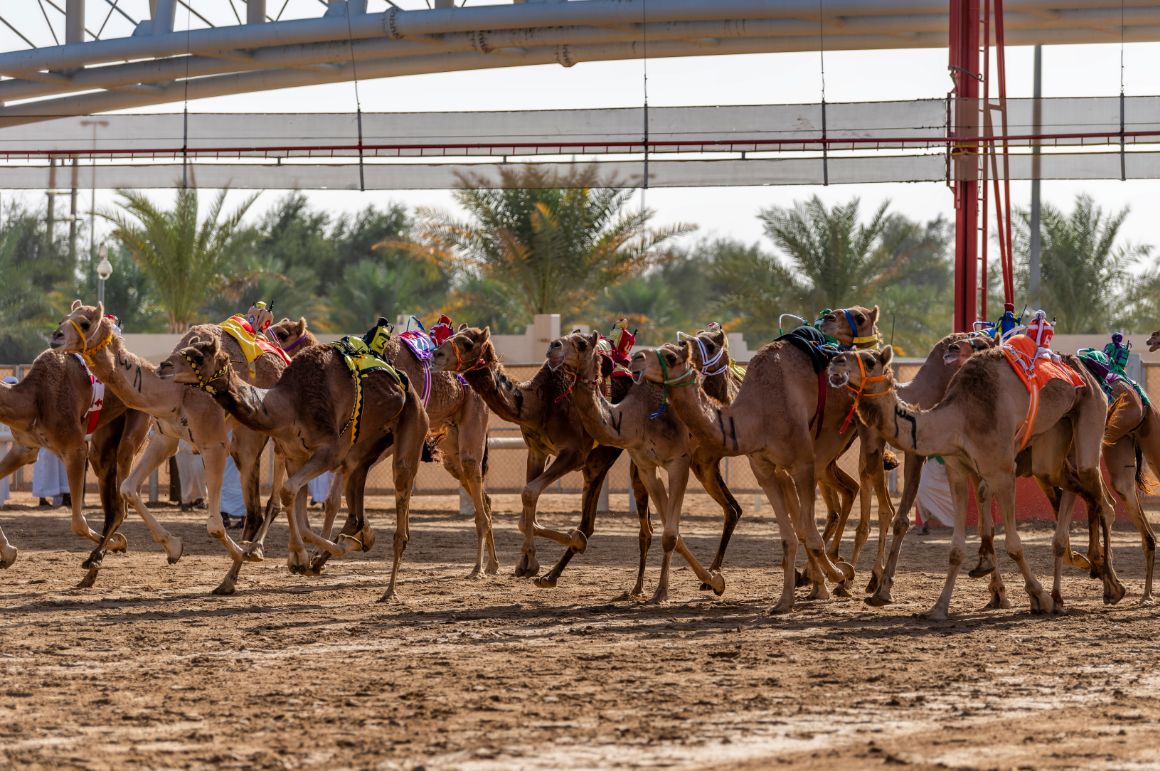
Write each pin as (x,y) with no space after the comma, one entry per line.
(711,423)
(246,402)
(134,380)
(502,396)
(923,432)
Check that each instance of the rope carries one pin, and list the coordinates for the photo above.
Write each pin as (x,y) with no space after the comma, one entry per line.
(822,61)
(1123,159)
(362,184)
(644,76)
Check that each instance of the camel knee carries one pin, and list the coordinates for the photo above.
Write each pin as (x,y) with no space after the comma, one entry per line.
(529,497)
(900,525)
(669,541)
(956,557)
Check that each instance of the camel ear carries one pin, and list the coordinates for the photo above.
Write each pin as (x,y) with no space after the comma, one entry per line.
(887,354)
(462,327)
(485,335)
(874,316)
(593,339)
(576,331)
(302,323)
(75,304)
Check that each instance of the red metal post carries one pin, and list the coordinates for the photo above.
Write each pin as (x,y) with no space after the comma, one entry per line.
(964,65)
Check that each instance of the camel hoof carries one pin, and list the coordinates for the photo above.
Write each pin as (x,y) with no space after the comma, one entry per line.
(717,583)
(800,579)
(578,542)
(389,596)
(781,608)
(818,591)
(980,570)
(118,543)
(878,599)
(93,562)
(658,599)
(841,591)
(492,568)
(368,539)
(476,574)
(872,584)
(225,588)
(1057,603)
(847,570)
(1146,600)
(253,552)
(7,556)
(1041,603)
(998,601)
(527,567)
(174,548)
(1114,592)
(1077,560)
(934,614)
(546,582)
(89,579)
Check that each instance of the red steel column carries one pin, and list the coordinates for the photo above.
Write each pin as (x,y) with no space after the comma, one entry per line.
(964,65)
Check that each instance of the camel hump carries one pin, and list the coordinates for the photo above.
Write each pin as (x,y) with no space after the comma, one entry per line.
(813,344)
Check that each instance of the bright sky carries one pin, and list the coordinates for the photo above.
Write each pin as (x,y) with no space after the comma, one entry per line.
(756,79)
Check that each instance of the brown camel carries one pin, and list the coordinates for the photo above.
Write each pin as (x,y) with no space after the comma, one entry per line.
(654,439)
(322,419)
(770,423)
(975,427)
(1154,341)
(48,409)
(458,428)
(551,425)
(180,413)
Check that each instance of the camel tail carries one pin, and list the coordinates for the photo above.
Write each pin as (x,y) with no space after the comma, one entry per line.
(483,466)
(1121,420)
(1144,485)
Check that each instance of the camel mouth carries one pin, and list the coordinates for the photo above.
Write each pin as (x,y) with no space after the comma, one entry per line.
(951,359)
(838,379)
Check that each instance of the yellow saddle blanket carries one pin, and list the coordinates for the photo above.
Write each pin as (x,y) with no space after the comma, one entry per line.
(361,361)
(253,345)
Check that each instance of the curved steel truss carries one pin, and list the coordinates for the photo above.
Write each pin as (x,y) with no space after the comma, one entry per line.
(117,54)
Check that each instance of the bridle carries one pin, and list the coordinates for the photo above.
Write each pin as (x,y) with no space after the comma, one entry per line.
(480,363)
(868,340)
(707,363)
(860,390)
(686,378)
(86,350)
(295,344)
(203,384)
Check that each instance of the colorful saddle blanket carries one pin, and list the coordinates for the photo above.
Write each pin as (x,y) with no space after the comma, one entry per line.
(92,415)
(1035,370)
(819,350)
(1101,366)
(361,361)
(252,344)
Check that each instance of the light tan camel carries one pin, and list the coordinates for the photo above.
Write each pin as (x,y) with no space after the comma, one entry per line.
(654,439)
(458,428)
(322,419)
(551,426)
(48,409)
(974,428)
(770,423)
(181,413)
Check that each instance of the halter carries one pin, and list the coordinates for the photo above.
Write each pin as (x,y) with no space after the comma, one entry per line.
(857,341)
(295,344)
(706,362)
(203,384)
(571,385)
(688,377)
(860,391)
(480,363)
(87,351)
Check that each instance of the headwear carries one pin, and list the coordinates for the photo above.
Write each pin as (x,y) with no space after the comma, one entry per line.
(441,330)
(11,380)
(260,317)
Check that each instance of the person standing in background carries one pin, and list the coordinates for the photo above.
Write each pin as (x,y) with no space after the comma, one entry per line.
(49,480)
(191,471)
(4,448)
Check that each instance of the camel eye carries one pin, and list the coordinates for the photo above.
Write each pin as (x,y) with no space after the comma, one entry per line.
(84,323)
(467,344)
(583,346)
(859,318)
(282,335)
(670,358)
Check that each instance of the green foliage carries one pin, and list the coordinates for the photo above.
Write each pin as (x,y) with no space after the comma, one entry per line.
(36,276)
(187,261)
(1084,270)
(553,241)
(384,285)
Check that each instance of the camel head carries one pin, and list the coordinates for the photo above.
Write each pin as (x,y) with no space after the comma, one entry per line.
(292,335)
(854,326)
(710,349)
(668,365)
(469,348)
(964,348)
(576,353)
(1154,341)
(84,329)
(867,371)
(202,363)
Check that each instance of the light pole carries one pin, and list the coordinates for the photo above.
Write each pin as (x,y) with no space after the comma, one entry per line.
(93,187)
(104,270)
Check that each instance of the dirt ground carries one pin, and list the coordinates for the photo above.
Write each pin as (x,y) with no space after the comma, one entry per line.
(148,670)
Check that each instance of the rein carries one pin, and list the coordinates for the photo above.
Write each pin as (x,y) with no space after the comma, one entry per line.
(203,384)
(87,350)
(688,377)
(860,391)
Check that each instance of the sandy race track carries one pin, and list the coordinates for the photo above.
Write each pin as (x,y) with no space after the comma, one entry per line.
(148,670)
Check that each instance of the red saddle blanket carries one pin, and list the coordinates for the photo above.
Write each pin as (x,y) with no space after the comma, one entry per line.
(1021,353)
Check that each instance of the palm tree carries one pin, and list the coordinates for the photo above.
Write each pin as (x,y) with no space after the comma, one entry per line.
(834,259)
(1084,269)
(36,276)
(553,241)
(186,261)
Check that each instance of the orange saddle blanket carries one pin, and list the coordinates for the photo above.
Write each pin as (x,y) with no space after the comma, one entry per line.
(1020,351)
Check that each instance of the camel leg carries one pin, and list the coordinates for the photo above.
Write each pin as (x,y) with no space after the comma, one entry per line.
(1091,484)
(17,456)
(766,476)
(1002,486)
(660,498)
(103,456)
(76,460)
(159,449)
(246,448)
(958,484)
(644,532)
(708,472)
(988,563)
(466,466)
(321,461)
(409,439)
(213,456)
(355,532)
(803,477)
(596,466)
(1060,546)
(678,482)
(911,475)
(333,502)
(567,460)
(1122,469)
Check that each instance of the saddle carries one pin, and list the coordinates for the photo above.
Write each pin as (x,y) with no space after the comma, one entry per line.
(1036,366)
(820,351)
(361,361)
(253,345)
(1105,372)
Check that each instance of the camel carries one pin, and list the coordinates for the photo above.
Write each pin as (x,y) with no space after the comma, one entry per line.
(321,419)
(48,409)
(769,422)
(551,426)
(458,427)
(654,439)
(180,413)
(975,427)
(1154,341)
